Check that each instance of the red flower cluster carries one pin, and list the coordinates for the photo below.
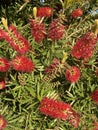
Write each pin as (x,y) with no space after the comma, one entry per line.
(23,64)
(56,29)
(60,110)
(72,74)
(20,63)
(94,96)
(77,13)
(2,84)
(4,65)
(38,30)
(84,46)
(44,12)
(21,45)
(3,34)
(16,40)
(53,66)
(3,122)
(54,108)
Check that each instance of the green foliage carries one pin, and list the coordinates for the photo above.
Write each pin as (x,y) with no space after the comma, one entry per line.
(19,102)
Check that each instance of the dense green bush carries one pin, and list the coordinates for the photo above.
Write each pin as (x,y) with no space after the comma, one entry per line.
(23,87)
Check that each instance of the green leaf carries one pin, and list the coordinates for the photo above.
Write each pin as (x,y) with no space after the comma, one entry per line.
(31,91)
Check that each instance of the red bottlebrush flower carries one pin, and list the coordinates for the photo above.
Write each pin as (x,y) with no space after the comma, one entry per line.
(3,34)
(16,40)
(23,64)
(53,66)
(44,12)
(77,13)
(94,96)
(2,84)
(4,65)
(54,108)
(3,122)
(72,74)
(74,118)
(38,30)
(56,30)
(95,126)
(84,47)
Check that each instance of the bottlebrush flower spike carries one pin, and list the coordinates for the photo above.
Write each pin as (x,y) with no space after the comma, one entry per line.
(94,96)
(84,47)
(3,122)
(44,12)
(17,41)
(23,64)
(2,84)
(77,13)
(55,65)
(72,74)
(54,108)
(3,34)
(38,30)
(56,29)
(4,65)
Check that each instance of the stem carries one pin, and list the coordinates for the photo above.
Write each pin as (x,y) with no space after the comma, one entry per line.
(71,86)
